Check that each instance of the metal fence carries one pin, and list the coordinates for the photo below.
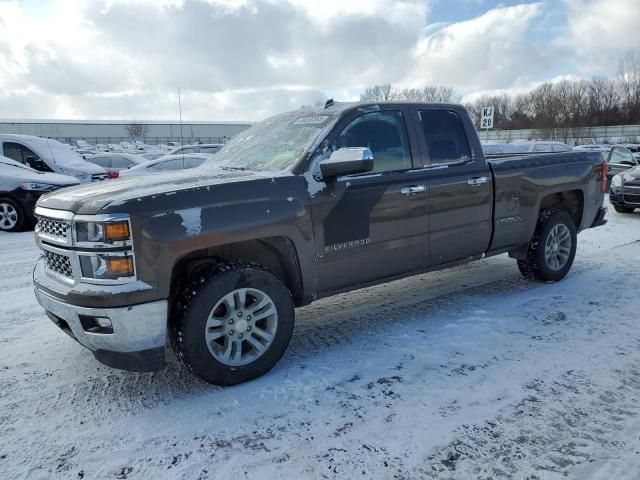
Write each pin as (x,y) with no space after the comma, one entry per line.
(572,136)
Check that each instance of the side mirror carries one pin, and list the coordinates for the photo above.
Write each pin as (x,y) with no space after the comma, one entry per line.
(345,161)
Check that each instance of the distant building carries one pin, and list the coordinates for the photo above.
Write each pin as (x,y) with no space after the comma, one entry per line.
(113,131)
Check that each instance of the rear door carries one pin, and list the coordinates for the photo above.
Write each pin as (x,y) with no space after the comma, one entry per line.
(373,225)
(460,185)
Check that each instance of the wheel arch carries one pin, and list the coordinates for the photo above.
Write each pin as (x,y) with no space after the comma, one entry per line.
(278,254)
(570,201)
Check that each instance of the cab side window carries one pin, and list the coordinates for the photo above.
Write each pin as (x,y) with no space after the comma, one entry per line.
(24,155)
(385,134)
(445,136)
(18,152)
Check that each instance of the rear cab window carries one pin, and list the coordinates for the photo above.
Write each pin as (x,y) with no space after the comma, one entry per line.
(445,136)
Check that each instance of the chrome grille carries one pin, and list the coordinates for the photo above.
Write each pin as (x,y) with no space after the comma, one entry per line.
(56,229)
(60,264)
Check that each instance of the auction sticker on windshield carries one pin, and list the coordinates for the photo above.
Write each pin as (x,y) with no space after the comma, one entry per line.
(314,120)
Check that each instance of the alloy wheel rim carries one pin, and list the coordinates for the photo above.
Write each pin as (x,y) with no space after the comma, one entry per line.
(241,326)
(558,247)
(8,216)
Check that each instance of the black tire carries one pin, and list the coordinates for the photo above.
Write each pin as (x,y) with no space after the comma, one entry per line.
(535,266)
(620,209)
(11,224)
(196,304)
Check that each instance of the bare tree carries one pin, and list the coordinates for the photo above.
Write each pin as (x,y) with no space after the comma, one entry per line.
(503,105)
(137,130)
(378,93)
(553,109)
(604,100)
(630,85)
(431,93)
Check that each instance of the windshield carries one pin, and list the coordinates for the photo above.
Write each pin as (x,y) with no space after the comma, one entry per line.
(62,154)
(275,143)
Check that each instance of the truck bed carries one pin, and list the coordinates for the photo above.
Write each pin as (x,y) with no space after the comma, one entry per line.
(525,183)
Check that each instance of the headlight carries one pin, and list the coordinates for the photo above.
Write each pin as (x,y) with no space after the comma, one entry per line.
(38,187)
(106,267)
(103,232)
(616,181)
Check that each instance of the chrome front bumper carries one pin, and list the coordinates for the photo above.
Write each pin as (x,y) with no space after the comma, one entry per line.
(135,341)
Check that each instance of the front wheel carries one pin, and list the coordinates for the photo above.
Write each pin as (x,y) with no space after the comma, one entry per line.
(552,249)
(233,323)
(11,215)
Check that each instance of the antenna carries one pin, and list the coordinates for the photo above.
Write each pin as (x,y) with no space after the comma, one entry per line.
(180,110)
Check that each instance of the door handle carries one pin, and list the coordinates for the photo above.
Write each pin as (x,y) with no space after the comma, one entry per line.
(412,190)
(477,181)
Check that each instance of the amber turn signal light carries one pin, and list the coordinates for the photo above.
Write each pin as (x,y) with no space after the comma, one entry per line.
(120,266)
(114,232)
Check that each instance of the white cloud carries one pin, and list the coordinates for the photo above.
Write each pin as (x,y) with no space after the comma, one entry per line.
(490,51)
(246,59)
(599,32)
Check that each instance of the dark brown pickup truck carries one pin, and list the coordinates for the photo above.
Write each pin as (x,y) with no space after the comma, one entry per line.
(300,206)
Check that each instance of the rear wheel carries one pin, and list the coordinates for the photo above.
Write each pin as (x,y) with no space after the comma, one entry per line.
(11,215)
(621,209)
(233,323)
(552,249)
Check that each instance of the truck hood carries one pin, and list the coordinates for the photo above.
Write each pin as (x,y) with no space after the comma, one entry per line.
(91,198)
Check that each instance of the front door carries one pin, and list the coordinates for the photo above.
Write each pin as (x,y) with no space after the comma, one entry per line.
(373,225)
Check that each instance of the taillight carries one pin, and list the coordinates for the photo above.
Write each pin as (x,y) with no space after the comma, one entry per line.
(604,169)
(113,174)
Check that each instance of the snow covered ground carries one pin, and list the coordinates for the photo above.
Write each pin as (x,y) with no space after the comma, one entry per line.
(467,373)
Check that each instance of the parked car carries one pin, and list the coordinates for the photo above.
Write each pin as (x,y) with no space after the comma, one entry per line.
(114,147)
(300,206)
(619,160)
(538,146)
(47,155)
(153,155)
(634,147)
(198,148)
(20,188)
(495,149)
(624,193)
(596,147)
(115,163)
(167,163)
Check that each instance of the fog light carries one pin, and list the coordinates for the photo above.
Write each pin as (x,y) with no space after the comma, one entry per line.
(103,322)
(99,325)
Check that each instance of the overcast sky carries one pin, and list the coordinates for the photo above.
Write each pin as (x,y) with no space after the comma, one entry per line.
(247,59)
